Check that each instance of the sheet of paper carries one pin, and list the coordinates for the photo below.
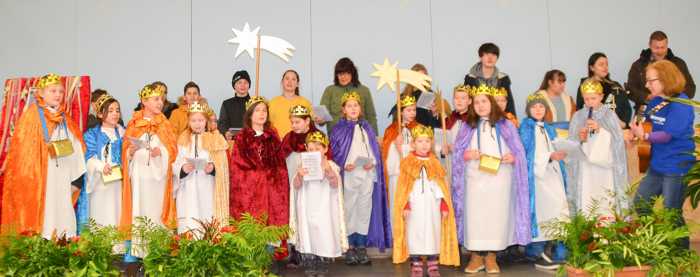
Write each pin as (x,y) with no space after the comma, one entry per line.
(362,161)
(139,144)
(311,161)
(199,164)
(425,100)
(572,148)
(322,112)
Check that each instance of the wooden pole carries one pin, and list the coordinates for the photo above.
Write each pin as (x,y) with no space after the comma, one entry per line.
(444,136)
(398,112)
(257,69)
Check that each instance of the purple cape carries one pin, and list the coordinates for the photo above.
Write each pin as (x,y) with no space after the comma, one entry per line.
(522,201)
(379,233)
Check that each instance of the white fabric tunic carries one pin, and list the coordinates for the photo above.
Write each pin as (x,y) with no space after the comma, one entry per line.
(424,219)
(320,228)
(194,194)
(550,196)
(392,165)
(148,179)
(59,215)
(358,184)
(489,199)
(105,199)
(596,174)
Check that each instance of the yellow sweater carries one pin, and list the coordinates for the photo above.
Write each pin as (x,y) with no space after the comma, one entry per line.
(279,112)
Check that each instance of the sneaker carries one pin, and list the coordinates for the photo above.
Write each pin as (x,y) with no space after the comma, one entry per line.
(546,263)
(351,257)
(362,257)
(433,269)
(417,269)
(476,264)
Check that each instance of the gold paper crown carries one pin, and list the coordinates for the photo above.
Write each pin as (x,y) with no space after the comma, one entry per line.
(421,131)
(463,88)
(102,100)
(317,136)
(253,100)
(535,96)
(299,111)
(160,88)
(149,91)
(483,89)
(407,101)
(350,95)
(48,79)
(500,92)
(198,108)
(591,86)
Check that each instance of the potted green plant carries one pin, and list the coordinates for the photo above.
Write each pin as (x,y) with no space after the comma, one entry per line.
(625,244)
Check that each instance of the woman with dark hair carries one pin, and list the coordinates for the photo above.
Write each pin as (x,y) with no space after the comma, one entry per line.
(486,72)
(346,79)
(614,95)
(671,139)
(560,104)
(281,104)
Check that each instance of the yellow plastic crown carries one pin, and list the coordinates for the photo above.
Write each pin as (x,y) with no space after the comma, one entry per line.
(299,111)
(350,95)
(317,136)
(253,100)
(535,96)
(407,100)
(483,89)
(422,131)
(464,88)
(590,86)
(149,91)
(196,107)
(99,104)
(47,80)
(499,92)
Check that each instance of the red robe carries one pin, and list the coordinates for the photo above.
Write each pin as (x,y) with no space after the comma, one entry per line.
(293,142)
(258,175)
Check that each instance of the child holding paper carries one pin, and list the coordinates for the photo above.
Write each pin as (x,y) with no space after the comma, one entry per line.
(201,183)
(317,213)
(366,212)
(424,222)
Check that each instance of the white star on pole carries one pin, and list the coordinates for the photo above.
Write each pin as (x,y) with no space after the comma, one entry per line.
(247,41)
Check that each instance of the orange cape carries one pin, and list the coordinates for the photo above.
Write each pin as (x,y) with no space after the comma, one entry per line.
(410,171)
(27,163)
(161,127)
(390,135)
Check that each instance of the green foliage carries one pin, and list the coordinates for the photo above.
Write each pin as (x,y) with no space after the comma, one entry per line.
(91,254)
(240,249)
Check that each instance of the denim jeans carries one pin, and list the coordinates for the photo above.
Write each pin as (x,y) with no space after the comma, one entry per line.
(535,250)
(670,186)
(357,241)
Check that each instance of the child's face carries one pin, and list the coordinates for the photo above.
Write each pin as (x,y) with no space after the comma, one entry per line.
(316,147)
(502,102)
(593,100)
(408,113)
(537,111)
(198,123)
(259,116)
(461,101)
(482,105)
(191,95)
(352,109)
(213,125)
(300,125)
(241,87)
(153,105)
(422,145)
(52,95)
(113,114)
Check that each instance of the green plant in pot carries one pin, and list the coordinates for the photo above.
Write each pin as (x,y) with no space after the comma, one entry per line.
(625,243)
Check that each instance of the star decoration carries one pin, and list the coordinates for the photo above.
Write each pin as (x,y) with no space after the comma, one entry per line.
(386,73)
(246,39)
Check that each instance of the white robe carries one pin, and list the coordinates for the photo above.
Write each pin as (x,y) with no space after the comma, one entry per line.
(392,165)
(148,180)
(424,220)
(194,194)
(451,137)
(550,197)
(59,215)
(320,228)
(293,161)
(358,184)
(596,174)
(105,199)
(489,199)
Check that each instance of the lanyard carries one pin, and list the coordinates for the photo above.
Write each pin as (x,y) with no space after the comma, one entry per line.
(498,136)
(47,139)
(109,144)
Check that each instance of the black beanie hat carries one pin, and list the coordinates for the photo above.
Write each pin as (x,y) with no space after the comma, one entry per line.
(241,74)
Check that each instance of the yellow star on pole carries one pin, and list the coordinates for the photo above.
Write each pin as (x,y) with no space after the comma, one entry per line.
(386,73)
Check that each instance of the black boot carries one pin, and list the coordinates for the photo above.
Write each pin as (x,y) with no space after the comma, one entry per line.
(294,258)
(322,267)
(309,263)
(351,257)
(362,257)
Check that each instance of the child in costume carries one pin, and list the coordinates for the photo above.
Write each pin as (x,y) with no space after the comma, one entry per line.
(201,183)
(423,215)
(602,173)
(546,179)
(356,151)
(489,184)
(45,166)
(317,216)
(501,96)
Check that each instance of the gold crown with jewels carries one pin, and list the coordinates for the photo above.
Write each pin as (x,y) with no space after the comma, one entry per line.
(99,104)
(499,92)
(422,131)
(149,91)
(463,88)
(196,107)
(299,111)
(535,96)
(254,100)
(317,136)
(350,95)
(407,100)
(483,89)
(590,86)
(47,80)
